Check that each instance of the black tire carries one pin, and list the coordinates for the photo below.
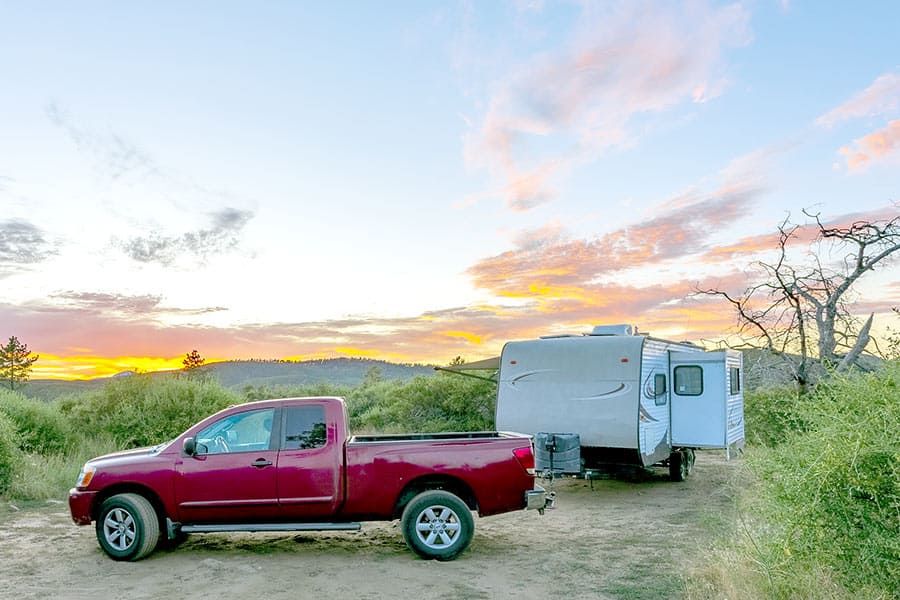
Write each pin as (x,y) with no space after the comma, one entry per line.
(689,452)
(679,465)
(437,525)
(127,527)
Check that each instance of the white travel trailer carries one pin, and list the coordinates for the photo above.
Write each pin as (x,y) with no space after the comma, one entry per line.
(631,399)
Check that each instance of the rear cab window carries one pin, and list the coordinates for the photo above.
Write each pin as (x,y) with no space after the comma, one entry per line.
(304,427)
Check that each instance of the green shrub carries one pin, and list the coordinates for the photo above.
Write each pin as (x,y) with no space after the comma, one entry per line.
(9,452)
(141,410)
(423,404)
(41,427)
(822,519)
(46,476)
(265,392)
(772,415)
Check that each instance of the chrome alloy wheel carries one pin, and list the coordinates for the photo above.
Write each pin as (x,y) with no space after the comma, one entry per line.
(119,529)
(437,527)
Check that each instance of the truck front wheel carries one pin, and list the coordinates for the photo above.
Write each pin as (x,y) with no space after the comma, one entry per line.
(437,525)
(127,527)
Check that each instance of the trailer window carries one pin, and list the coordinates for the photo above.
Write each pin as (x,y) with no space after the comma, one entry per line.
(659,388)
(688,380)
(304,428)
(734,375)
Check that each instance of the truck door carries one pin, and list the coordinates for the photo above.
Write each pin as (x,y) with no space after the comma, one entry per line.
(232,476)
(699,398)
(310,464)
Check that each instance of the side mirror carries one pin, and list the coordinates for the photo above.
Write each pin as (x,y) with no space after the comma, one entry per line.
(190,446)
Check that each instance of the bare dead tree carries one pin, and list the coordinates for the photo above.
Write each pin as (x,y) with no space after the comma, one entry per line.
(800,307)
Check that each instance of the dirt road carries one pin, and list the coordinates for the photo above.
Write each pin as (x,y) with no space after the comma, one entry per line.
(620,539)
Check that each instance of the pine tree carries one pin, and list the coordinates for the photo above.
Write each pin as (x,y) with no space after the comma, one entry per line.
(192,360)
(15,363)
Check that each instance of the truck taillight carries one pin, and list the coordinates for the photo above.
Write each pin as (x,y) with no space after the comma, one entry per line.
(526,458)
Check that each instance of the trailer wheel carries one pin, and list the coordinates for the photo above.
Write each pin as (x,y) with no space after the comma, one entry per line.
(679,465)
(437,525)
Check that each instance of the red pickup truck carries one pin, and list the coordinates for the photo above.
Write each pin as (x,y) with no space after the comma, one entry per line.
(291,465)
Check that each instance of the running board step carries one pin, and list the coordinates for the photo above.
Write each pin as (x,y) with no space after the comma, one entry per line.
(270,527)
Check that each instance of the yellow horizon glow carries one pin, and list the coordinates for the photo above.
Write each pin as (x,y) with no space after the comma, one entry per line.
(464,335)
(84,367)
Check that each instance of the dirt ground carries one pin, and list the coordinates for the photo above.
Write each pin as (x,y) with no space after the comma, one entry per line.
(618,539)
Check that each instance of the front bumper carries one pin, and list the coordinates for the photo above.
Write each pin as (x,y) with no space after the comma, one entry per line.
(80,503)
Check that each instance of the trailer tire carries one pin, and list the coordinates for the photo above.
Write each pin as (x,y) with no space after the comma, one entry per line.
(437,525)
(679,465)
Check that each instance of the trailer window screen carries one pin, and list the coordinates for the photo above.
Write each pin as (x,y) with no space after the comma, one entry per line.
(688,380)
(734,375)
(659,389)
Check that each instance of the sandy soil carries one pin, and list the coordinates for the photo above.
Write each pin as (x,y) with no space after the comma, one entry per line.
(617,539)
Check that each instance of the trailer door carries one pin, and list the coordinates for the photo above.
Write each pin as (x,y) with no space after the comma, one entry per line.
(699,399)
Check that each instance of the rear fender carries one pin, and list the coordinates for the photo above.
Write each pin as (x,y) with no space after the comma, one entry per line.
(453,485)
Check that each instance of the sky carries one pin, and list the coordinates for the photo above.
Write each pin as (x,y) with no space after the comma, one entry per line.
(414,181)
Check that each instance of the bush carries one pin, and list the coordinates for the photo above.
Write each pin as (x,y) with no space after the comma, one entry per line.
(141,410)
(265,392)
(50,476)
(41,427)
(424,404)
(772,415)
(824,514)
(9,452)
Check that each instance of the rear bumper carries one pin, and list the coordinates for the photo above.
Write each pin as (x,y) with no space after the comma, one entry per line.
(80,503)
(537,499)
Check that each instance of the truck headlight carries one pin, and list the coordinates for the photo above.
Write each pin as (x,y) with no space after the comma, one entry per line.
(84,478)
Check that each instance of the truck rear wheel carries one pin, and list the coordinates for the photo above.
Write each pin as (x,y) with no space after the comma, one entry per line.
(127,527)
(437,525)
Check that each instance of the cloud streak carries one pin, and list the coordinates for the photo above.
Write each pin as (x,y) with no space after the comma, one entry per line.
(22,244)
(633,59)
(141,306)
(875,147)
(881,97)
(115,154)
(555,265)
(222,235)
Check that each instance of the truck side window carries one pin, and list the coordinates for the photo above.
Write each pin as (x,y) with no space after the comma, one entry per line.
(242,432)
(304,428)
(688,380)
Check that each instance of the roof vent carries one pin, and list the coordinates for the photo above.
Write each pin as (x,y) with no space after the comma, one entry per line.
(615,330)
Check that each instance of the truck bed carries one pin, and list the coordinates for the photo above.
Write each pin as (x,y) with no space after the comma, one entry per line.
(402,437)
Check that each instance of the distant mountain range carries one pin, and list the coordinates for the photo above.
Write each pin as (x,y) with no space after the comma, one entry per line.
(761,369)
(237,374)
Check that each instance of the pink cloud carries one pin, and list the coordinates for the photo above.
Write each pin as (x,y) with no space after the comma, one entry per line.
(546,260)
(750,247)
(633,59)
(882,97)
(875,146)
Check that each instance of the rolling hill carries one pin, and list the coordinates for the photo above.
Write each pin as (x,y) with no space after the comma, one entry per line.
(238,374)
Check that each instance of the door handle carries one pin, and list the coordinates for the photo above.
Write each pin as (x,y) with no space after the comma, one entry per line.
(260,463)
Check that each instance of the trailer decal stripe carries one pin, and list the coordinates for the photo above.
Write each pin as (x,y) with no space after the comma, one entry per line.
(609,393)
